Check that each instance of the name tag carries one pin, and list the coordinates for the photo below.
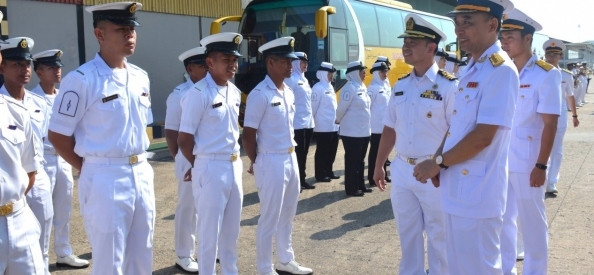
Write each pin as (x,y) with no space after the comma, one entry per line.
(12,127)
(109,98)
(274,104)
(217,105)
(398,93)
(524,86)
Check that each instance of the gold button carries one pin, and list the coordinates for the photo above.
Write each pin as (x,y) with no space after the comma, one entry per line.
(429,115)
(455,112)
(467,97)
(530,138)
(233,157)
(291,149)
(460,90)
(133,159)
(522,96)
(464,172)
(448,133)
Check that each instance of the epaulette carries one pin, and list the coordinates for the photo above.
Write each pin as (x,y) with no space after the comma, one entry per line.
(544,65)
(78,71)
(496,59)
(446,75)
(567,71)
(404,77)
(200,86)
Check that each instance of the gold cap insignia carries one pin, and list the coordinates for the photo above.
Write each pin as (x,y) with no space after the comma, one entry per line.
(505,16)
(132,8)
(24,44)
(553,44)
(292,43)
(410,24)
(236,39)
(58,54)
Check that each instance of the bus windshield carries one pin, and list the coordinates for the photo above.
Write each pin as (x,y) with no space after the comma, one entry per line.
(264,21)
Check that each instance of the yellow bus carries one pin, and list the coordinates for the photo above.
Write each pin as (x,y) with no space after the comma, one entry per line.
(335,31)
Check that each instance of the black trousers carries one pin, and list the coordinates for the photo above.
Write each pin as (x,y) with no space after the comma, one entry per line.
(326,146)
(374,141)
(355,149)
(302,138)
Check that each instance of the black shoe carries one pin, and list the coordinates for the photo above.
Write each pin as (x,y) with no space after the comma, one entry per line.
(372,183)
(388,179)
(334,177)
(366,190)
(306,185)
(359,193)
(325,179)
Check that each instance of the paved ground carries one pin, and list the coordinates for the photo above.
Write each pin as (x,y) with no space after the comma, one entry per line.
(335,234)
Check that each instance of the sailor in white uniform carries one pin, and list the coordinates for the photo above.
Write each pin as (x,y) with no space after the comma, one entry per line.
(98,125)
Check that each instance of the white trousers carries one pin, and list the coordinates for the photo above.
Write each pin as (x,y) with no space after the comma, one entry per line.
(19,244)
(473,245)
(60,176)
(417,208)
(556,156)
(219,196)
(117,203)
(277,181)
(526,204)
(39,199)
(185,213)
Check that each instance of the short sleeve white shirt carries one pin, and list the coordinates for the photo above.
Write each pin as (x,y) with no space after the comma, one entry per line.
(174,111)
(106,114)
(323,103)
(353,111)
(270,111)
(49,99)
(303,113)
(210,113)
(379,95)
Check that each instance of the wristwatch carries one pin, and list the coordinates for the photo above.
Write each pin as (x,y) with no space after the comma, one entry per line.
(439,161)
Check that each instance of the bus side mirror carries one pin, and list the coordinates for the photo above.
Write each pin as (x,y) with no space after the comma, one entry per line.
(215,26)
(322,20)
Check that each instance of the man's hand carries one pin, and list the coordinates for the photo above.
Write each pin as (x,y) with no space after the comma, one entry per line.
(537,177)
(188,175)
(379,176)
(251,169)
(426,170)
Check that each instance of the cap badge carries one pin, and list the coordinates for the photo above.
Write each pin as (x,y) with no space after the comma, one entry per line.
(553,44)
(24,44)
(292,43)
(132,8)
(58,54)
(410,24)
(505,16)
(236,39)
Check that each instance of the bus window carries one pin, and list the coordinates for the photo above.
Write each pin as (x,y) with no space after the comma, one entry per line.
(338,19)
(368,22)
(353,38)
(338,49)
(391,26)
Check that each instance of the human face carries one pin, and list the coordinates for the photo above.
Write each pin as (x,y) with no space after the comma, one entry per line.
(330,76)
(553,58)
(441,63)
(383,74)
(303,65)
(17,72)
(49,74)
(474,31)
(222,67)
(514,44)
(280,66)
(196,71)
(116,39)
(417,50)
(362,74)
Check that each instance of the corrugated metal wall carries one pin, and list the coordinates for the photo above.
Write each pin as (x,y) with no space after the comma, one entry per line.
(206,8)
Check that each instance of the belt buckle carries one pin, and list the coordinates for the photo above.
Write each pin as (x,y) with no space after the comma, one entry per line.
(133,159)
(6,209)
(233,157)
(411,161)
(291,149)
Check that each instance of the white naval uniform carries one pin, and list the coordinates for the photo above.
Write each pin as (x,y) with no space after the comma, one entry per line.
(107,110)
(540,93)
(270,111)
(210,113)
(20,252)
(557,152)
(186,225)
(580,95)
(39,197)
(59,173)
(379,95)
(419,111)
(323,105)
(474,192)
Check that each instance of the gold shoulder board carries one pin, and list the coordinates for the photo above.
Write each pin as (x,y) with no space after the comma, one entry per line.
(446,75)
(403,77)
(567,71)
(544,65)
(496,59)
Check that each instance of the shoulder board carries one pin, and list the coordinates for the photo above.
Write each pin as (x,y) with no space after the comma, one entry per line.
(496,59)
(544,65)
(78,71)
(446,75)
(404,77)
(200,86)
(567,71)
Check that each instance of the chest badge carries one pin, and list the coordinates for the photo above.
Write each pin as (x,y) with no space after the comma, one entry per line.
(472,85)
(435,86)
(429,114)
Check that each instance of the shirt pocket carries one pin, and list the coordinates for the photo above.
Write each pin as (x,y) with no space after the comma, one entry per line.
(16,136)
(216,113)
(527,101)
(429,108)
(527,141)
(111,105)
(468,181)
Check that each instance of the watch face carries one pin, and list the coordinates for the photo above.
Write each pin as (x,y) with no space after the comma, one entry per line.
(438,159)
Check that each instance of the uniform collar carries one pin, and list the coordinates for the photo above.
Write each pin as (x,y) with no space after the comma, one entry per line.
(7,95)
(431,74)
(477,63)
(271,85)
(102,67)
(530,64)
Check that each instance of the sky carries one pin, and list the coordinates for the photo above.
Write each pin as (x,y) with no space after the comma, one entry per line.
(560,19)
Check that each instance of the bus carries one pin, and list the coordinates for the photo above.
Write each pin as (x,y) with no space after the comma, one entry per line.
(335,31)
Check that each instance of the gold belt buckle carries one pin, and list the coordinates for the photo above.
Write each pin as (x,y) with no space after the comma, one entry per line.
(411,161)
(291,149)
(6,209)
(233,157)
(133,159)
